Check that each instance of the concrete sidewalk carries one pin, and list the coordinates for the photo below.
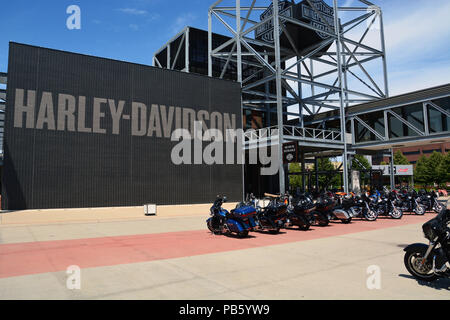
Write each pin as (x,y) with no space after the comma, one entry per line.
(333,267)
(173,256)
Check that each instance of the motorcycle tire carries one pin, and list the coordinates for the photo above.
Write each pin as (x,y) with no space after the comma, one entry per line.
(243,234)
(346,221)
(438,208)
(397,214)
(210,228)
(276,231)
(419,210)
(322,219)
(305,227)
(413,266)
(371,215)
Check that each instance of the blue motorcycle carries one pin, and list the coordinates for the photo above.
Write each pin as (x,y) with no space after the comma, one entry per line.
(239,221)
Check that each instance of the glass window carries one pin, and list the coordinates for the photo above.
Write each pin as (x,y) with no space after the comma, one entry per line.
(373,120)
(438,121)
(411,153)
(414,115)
(431,151)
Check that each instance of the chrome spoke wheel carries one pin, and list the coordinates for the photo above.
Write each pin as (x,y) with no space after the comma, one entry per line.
(418,266)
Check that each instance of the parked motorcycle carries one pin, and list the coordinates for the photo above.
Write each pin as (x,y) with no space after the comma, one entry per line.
(351,206)
(300,212)
(324,209)
(430,201)
(273,217)
(384,204)
(430,262)
(239,221)
(408,201)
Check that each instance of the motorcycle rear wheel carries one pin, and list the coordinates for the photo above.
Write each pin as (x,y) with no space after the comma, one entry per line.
(413,264)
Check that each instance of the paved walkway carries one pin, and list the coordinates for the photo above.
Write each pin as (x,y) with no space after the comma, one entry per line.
(177,258)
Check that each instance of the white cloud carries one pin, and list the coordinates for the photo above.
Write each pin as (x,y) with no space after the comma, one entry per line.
(419,30)
(414,79)
(181,22)
(133,11)
(134,27)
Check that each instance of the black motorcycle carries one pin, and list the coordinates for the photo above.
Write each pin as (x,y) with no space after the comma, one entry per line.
(385,204)
(324,208)
(408,201)
(319,212)
(430,262)
(430,201)
(300,212)
(273,217)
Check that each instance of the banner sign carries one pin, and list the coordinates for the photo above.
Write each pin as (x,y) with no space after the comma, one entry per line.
(290,152)
(399,170)
(315,13)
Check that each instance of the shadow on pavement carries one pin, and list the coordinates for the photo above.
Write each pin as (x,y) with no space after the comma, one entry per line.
(440,284)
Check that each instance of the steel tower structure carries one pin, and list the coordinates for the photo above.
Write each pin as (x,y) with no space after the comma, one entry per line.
(345,68)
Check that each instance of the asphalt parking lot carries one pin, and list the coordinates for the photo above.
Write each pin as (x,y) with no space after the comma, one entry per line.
(177,258)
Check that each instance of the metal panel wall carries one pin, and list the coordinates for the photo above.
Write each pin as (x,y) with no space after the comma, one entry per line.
(56,165)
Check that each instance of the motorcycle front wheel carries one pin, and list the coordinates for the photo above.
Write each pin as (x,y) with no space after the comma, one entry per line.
(397,214)
(371,215)
(413,263)
(305,227)
(438,208)
(322,219)
(243,234)
(275,231)
(211,228)
(419,210)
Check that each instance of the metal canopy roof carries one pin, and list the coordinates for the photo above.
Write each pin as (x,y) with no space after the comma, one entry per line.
(408,98)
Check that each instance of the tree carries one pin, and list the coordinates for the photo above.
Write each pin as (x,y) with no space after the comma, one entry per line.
(430,171)
(361,163)
(295,181)
(443,170)
(421,171)
(434,162)
(329,181)
(400,159)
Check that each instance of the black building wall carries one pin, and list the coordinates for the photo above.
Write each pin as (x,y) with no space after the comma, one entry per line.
(47,167)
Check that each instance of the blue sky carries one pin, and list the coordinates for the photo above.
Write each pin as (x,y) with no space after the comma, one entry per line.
(417,32)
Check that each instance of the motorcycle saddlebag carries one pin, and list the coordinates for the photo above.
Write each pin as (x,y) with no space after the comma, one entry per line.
(341,214)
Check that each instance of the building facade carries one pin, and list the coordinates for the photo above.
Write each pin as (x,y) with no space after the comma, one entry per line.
(83,131)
